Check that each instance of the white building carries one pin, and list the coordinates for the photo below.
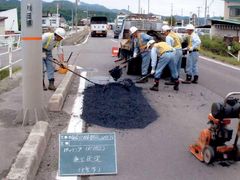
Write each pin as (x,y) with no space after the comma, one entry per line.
(11,23)
(53,21)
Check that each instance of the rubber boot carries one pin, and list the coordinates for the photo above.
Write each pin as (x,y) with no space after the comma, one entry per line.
(188,79)
(170,83)
(44,87)
(51,85)
(176,85)
(142,80)
(195,79)
(155,86)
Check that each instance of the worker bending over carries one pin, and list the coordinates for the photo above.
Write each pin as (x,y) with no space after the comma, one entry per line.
(194,43)
(174,41)
(164,54)
(49,42)
(140,41)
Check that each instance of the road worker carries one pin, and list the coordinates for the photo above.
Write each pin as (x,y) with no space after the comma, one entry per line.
(174,41)
(193,48)
(164,54)
(140,41)
(49,42)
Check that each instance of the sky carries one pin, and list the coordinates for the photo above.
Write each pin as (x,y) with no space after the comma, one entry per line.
(164,7)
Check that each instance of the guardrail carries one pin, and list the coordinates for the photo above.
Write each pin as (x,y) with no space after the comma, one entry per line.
(12,43)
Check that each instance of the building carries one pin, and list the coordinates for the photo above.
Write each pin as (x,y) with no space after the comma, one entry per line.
(53,21)
(11,21)
(232,9)
(230,25)
(2,25)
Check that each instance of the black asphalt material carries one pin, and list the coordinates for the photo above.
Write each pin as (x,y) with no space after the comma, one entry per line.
(117,105)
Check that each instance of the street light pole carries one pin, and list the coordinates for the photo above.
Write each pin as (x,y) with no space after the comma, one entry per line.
(31,23)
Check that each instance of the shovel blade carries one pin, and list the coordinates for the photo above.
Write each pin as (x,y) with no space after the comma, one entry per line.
(116,73)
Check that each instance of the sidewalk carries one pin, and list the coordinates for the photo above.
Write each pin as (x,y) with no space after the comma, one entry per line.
(12,137)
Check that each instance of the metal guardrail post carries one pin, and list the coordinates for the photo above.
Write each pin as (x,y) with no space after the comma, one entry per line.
(10,58)
(238,55)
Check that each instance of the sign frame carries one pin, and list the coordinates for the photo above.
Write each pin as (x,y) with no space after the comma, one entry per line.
(113,134)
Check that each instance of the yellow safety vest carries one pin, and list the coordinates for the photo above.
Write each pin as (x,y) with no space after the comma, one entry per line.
(190,42)
(177,41)
(49,40)
(163,47)
(142,45)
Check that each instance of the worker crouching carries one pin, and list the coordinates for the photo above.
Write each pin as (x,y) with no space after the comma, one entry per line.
(162,55)
(49,42)
(140,41)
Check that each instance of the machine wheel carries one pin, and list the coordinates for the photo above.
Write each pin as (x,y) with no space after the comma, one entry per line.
(208,154)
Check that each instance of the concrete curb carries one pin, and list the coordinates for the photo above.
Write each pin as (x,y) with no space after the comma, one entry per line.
(56,101)
(30,156)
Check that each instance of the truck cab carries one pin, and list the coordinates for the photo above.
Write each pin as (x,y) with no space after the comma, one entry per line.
(99,26)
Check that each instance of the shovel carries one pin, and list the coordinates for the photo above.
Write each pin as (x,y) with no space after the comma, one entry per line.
(64,67)
(116,72)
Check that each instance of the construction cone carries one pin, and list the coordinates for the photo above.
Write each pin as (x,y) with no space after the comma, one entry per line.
(114,51)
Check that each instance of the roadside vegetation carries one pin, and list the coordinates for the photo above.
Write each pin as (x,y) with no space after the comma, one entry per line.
(5,73)
(216,48)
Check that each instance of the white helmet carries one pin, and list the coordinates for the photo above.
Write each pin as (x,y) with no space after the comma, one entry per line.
(149,43)
(190,27)
(60,32)
(133,29)
(166,28)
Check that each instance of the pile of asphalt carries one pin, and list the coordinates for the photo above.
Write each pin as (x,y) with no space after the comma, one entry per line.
(117,105)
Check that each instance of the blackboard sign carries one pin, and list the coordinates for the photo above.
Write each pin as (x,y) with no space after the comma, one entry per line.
(87,154)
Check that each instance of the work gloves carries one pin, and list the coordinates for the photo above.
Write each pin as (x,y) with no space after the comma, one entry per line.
(135,55)
(153,71)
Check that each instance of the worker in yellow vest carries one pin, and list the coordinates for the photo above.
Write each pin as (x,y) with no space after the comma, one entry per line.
(162,55)
(140,41)
(174,41)
(49,42)
(194,43)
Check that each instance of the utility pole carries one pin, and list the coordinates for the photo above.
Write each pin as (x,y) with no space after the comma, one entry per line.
(171,14)
(72,19)
(148,6)
(31,23)
(128,8)
(76,14)
(205,13)
(58,22)
(139,7)
(198,22)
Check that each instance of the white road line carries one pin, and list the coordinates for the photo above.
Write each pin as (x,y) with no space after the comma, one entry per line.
(76,123)
(114,40)
(84,41)
(220,63)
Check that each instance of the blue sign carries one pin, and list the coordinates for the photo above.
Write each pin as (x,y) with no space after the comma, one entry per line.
(87,154)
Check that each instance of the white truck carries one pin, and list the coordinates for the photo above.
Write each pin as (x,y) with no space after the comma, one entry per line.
(99,26)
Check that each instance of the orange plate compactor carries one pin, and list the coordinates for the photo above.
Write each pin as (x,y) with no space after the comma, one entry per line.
(211,144)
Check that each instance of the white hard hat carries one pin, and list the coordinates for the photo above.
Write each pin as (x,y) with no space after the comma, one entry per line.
(190,27)
(133,30)
(60,32)
(149,43)
(166,28)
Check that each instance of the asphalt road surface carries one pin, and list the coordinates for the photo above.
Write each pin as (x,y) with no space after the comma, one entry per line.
(160,150)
